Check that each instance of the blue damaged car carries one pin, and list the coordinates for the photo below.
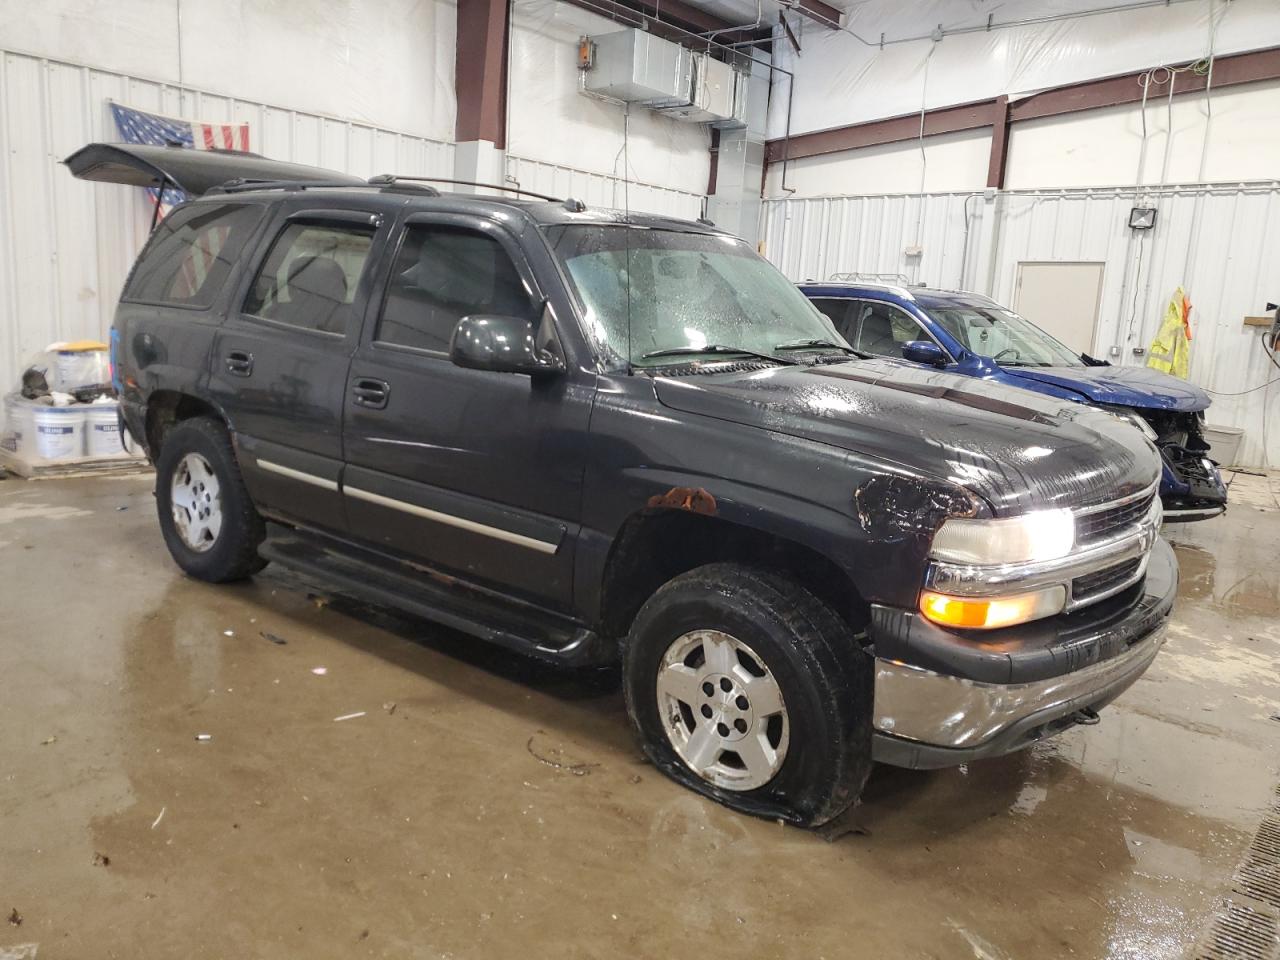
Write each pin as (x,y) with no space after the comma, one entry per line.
(972,335)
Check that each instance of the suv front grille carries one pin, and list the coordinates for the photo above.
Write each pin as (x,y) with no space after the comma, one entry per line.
(1095,527)
(1101,581)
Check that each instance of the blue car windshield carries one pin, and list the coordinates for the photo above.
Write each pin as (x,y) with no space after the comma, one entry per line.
(1003,336)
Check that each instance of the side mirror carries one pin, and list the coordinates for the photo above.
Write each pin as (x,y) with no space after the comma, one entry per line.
(501,344)
(924,351)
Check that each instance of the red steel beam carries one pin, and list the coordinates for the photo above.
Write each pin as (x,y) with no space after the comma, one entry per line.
(823,13)
(1090,95)
(999,143)
(480,71)
(966,116)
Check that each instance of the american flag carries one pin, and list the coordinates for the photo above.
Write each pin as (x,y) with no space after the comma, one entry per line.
(138,126)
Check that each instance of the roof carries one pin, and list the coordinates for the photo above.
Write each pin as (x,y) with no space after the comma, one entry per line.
(216,175)
(925,296)
(542,212)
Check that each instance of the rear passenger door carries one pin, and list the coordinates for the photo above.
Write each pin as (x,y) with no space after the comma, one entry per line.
(280,360)
(475,472)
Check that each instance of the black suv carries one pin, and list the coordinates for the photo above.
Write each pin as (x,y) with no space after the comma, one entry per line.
(608,439)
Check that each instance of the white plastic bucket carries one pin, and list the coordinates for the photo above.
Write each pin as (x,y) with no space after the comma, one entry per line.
(59,432)
(102,431)
(17,424)
(1224,443)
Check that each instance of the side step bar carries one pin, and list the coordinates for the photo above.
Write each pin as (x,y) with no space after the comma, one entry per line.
(382,580)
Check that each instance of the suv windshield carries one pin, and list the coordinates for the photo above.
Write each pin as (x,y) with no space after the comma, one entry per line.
(1002,336)
(657,297)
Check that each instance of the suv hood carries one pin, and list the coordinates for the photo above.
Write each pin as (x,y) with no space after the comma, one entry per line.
(1139,387)
(193,171)
(1018,450)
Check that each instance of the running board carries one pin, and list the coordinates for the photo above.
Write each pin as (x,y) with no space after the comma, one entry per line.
(383,580)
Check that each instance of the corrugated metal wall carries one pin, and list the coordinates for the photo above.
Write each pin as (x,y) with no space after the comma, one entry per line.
(66,245)
(1221,243)
(602,190)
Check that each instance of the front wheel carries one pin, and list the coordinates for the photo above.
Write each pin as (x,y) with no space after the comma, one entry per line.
(209,522)
(745,687)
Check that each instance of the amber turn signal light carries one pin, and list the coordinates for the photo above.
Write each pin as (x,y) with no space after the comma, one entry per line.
(989,613)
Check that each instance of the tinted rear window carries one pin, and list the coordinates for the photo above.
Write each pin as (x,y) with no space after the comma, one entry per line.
(188,259)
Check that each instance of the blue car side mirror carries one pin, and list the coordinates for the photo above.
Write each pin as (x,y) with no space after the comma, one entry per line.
(924,351)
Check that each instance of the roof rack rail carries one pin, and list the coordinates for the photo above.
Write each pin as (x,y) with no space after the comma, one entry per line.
(898,278)
(243,185)
(390,179)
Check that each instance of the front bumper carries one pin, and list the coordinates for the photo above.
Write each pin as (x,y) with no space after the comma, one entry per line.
(1191,487)
(943,697)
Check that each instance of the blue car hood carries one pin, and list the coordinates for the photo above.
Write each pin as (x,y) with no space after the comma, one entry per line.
(1139,387)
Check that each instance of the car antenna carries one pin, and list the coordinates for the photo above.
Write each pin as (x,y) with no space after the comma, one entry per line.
(626,208)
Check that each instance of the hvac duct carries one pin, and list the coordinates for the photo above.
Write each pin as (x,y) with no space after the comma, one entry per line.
(633,66)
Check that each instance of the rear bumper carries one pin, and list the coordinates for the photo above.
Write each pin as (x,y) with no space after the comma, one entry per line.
(945,707)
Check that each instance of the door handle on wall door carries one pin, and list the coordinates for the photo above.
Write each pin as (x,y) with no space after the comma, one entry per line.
(240,363)
(371,393)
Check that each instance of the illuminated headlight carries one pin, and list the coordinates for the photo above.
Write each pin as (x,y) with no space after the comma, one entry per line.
(1030,538)
(990,613)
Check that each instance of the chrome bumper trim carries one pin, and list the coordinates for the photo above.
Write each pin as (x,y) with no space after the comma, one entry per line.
(1194,513)
(931,708)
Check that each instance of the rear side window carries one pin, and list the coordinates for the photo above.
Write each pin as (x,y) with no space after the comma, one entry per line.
(441,275)
(188,259)
(309,278)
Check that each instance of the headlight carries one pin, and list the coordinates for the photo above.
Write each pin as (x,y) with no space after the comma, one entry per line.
(1036,536)
(989,613)
(1135,418)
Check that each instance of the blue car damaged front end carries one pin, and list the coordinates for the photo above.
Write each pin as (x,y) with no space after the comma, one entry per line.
(975,336)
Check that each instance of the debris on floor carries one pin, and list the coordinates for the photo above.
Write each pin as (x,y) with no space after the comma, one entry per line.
(554,757)
(319,671)
(15,917)
(204,737)
(48,740)
(390,707)
(274,638)
(156,822)
(101,859)
(348,716)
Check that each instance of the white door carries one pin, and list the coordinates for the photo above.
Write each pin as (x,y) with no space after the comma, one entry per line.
(1061,297)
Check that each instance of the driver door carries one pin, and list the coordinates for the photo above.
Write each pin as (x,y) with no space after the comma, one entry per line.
(473,472)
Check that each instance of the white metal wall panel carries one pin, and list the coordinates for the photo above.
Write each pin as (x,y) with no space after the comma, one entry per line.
(813,238)
(66,246)
(601,190)
(1221,243)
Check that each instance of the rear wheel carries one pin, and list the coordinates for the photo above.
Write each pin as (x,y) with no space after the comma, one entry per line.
(209,522)
(747,688)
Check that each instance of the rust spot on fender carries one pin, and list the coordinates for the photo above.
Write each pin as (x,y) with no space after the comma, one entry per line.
(685,498)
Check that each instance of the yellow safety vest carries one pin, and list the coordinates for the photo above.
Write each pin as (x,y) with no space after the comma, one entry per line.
(1171,349)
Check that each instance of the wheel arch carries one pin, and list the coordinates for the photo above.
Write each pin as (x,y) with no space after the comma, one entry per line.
(654,545)
(167,408)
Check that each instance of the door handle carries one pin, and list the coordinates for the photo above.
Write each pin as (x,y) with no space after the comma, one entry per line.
(239,363)
(371,393)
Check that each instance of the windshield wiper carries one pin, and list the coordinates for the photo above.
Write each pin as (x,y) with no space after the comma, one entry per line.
(711,348)
(818,344)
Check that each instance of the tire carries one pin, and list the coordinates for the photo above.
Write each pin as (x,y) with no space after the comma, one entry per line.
(216,552)
(816,751)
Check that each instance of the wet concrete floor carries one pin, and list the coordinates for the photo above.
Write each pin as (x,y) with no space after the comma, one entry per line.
(501,810)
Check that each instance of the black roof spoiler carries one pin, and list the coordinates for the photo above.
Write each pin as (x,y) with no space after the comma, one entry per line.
(193,171)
